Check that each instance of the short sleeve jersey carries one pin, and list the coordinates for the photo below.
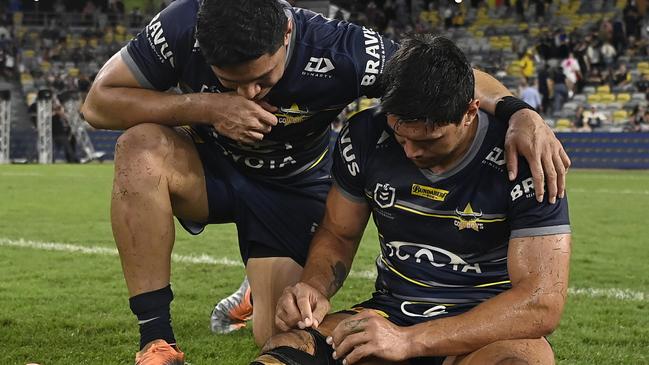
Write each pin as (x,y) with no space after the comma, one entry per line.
(443,237)
(330,63)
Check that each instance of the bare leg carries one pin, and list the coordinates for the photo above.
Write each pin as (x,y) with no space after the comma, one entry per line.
(268,277)
(510,352)
(157,174)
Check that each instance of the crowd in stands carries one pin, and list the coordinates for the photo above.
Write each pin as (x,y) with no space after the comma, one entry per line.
(583,64)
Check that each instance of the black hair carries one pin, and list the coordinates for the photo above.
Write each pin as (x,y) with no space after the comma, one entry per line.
(231,32)
(428,78)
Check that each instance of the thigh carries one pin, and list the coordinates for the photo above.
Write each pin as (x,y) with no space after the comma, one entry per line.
(268,276)
(509,352)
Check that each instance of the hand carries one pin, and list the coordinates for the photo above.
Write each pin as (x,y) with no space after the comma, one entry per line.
(243,120)
(301,306)
(368,334)
(531,137)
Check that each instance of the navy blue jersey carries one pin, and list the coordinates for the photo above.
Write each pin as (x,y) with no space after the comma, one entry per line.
(330,63)
(444,237)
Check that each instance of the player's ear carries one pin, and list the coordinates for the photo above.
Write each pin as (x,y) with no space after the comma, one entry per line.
(472,110)
(289,29)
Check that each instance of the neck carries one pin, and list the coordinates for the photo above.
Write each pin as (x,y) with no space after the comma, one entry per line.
(455,156)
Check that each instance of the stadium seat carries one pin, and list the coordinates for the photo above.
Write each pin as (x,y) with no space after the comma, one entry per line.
(620,116)
(589,90)
(594,98)
(606,98)
(580,98)
(623,97)
(563,124)
(604,89)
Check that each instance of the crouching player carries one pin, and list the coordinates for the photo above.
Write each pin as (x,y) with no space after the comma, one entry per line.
(472,269)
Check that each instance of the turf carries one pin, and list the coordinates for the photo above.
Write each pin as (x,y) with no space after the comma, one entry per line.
(61,307)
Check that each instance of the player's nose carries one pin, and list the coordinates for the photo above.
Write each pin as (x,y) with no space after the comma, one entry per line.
(249,91)
(411,150)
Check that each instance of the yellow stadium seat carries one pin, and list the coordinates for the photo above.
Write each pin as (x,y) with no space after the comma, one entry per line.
(594,98)
(606,98)
(74,72)
(643,65)
(563,124)
(623,97)
(620,116)
(604,89)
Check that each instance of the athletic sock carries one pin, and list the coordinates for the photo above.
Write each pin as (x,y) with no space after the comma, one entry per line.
(153,314)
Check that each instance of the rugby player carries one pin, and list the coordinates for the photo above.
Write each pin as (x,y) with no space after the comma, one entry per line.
(472,268)
(260,83)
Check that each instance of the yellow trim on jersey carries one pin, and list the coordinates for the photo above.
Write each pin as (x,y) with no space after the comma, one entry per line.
(479,220)
(379,312)
(493,284)
(318,160)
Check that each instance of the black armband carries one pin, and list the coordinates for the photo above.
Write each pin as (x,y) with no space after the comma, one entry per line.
(507,106)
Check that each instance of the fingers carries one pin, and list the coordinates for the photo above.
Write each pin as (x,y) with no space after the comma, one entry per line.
(536,168)
(550,176)
(267,106)
(349,343)
(511,156)
(319,312)
(265,117)
(304,305)
(287,314)
(358,353)
(561,174)
(566,164)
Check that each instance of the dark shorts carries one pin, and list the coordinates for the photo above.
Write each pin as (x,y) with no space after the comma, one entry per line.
(273,218)
(391,308)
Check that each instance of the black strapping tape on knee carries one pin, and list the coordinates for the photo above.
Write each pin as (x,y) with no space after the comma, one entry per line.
(290,356)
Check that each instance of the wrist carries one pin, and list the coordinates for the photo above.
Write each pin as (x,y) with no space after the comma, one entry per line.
(507,106)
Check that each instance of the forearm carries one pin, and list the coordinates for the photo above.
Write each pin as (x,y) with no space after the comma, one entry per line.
(123,107)
(488,90)
(329,262)
(513,314)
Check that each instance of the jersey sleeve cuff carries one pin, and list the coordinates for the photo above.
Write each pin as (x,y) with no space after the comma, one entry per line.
(135,70)
(353,197)
(540,231)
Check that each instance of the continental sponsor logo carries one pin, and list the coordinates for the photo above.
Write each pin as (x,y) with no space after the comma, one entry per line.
(428,192)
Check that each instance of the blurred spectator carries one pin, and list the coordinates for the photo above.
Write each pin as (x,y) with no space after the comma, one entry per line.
(643,84)
(560,90)
(527,65)
(621,79)
(608,54)
(572,71)
(543,80)
(530,94)
(580,123)
(595,118)
(632,19)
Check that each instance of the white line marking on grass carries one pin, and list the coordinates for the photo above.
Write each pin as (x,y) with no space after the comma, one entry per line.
(31,174)
(609,191)
(610,293)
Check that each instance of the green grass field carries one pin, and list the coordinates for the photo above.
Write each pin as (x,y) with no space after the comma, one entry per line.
(66,303)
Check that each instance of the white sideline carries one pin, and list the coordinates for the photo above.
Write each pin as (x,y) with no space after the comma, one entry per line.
(610,293)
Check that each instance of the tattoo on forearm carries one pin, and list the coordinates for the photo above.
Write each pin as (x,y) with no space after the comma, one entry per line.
(340,272)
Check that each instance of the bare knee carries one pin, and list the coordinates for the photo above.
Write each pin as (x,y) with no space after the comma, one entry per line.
(296,339)
(143,139)
(140,153)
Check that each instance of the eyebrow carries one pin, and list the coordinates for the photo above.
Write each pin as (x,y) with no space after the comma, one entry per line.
(266,74)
